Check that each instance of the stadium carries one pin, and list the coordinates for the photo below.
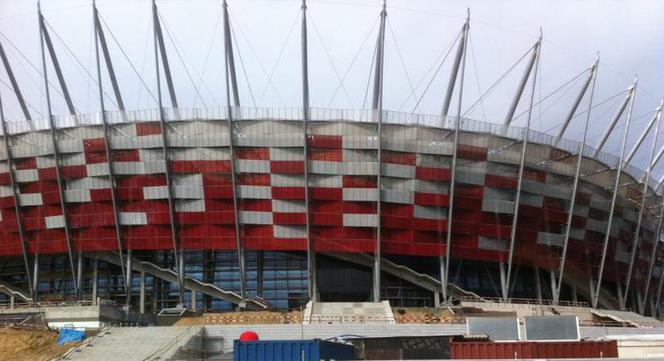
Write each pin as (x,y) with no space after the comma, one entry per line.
(268,208)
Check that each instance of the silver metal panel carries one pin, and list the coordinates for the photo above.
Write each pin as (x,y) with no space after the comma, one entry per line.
(498,206)
(497,328)
(540,328)
(493,244)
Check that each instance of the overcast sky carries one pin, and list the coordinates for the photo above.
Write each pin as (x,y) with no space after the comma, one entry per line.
(627,34)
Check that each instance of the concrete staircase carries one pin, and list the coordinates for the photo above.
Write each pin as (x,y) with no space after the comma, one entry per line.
(15,292)
(135,343)
(189,282)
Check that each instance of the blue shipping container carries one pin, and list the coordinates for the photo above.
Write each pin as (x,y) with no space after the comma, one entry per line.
(295,350)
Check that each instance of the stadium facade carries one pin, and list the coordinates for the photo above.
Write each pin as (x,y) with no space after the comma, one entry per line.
(274,207)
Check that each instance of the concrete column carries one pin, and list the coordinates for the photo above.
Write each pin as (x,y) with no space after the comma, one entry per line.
(95,275)
(12,299)
(574,295)
(443,277)
(35,280)
(129,276)
(154,294)
(554,283)
(141,303)
(591,286)
(503,281)
(79,275)
(619,289)
(181,275)
(538,284)
(436,299)
(193,300)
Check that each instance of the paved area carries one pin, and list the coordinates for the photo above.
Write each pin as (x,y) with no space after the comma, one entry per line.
(151,342)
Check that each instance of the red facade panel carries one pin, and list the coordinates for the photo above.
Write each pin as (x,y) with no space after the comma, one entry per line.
(528,350)
(148,128)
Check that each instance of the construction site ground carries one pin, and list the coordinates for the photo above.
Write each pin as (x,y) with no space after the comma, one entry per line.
(19,344)
(401,315)
(243,318)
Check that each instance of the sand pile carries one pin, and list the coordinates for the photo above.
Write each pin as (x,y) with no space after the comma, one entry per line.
(27,344)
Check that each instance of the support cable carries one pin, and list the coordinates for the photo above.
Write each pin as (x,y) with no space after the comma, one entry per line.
(32,107)
(477,77)
(552,93)
(447,54)
(495,84)
(276,64)
(146,45)
(342,79)
(12,79)
(244,69)
(334,68)
(401,59)
(366,89)
(184,65)
(600,103)
(77,60)
(207,58)
(117,43)
(444,53)
(32,65)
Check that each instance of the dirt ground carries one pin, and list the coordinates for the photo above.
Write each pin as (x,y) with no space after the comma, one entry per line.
(20,344)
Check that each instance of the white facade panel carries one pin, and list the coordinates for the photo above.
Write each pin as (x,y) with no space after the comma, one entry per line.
(55,222)
(252,217)
(360,220)
(133,218)
(254,192)
(360,194)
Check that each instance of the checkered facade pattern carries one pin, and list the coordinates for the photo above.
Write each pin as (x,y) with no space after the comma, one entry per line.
(343,170)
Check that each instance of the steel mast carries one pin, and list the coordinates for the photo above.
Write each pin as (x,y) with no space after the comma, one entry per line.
(644,196)
(311,247)
(377,107)
(621,109)
(45,38)
(99,40)
(535,60)
(177,251)
(616,185)
(570,214)
(576,103)
(231,85)
(522,83)
(444,263)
